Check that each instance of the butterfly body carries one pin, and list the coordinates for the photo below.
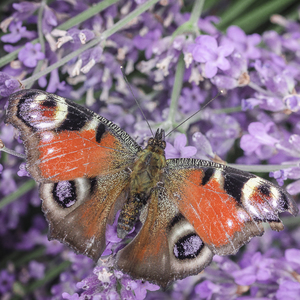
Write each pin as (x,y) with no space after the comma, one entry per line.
(89,169)
(146,175)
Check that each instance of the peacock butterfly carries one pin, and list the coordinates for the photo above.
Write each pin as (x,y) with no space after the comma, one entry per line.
(89,169)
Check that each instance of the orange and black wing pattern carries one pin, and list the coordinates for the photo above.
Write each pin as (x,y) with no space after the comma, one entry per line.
(64,140)
(166,248)
(81,161)
(225,206)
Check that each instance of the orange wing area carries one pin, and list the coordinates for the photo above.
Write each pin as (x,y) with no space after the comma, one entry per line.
(162,251)
(212,212)
(225,206)
(71,154)
(222,224)
(64,140)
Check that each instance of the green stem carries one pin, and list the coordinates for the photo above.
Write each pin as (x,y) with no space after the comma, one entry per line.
(34,254)
(41,39)
(196,13)
(92,11)
(176,90)
(23,189)
(260,90)
(228,110)
(21,291)
(262,168)
(51,274)
(94,42)
(237,9)
(261,14)
(291,222)
(192,24)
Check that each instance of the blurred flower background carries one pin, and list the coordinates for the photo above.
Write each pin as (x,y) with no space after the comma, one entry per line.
(177,55)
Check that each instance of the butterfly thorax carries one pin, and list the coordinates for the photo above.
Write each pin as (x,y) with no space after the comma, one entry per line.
(146,175)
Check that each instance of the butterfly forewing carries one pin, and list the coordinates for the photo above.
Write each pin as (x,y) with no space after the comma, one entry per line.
(225,206)
(80,158)
(64,140)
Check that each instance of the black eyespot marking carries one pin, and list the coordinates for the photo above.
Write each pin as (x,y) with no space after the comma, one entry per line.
(188,247)
(75,119)
(208,173)
(24,107)
(265,190)
(99,132)
(284,201)
(175,220)
(30,95)
(50,103)
(64,193)
(233,185)
(93,187)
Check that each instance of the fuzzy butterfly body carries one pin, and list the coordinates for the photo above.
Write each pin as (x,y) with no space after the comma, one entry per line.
(89,169)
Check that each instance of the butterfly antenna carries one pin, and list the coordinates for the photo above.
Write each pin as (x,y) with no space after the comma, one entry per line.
(136,101)
(10,151)
(219,93)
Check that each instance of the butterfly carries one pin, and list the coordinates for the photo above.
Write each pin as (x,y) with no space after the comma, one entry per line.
(89,169)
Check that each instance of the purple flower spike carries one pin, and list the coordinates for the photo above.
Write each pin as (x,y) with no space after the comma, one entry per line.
(293,102)
(207,51)
(280,176)
(49,20)
(6,281)
(294,188)
(7,85)
(244,44)
(180,150)
(17,31)
(30,55)
(288,290)
(70,297)
(259,141)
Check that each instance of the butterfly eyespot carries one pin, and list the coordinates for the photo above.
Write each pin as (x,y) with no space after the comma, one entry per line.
(64,193)
(188,246)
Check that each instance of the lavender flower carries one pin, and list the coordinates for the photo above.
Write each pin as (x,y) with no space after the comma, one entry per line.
(7,84)
(206,50)
(30,55)
(17,31)
(180,149)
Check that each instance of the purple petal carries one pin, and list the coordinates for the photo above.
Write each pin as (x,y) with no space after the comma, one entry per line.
(293,255)
(188,151)
(225,50)
(180,141)
(236,34)
(223,63)
(249,143)
(210,69)
(208,41)
(202,54)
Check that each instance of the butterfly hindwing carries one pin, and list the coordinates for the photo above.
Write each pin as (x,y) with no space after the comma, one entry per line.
(166,248)
(78,211)
(225,206)
(64,140)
